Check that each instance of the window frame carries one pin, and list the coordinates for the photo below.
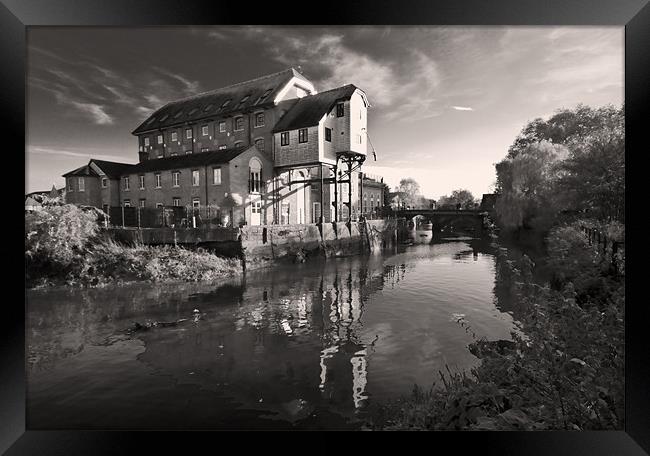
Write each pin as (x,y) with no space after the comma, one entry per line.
(328,134)
(158,179)
(146,142)
(215,174)
(283,135)
(142,202)
(222,126)
(256,123)
(141,181)
(237,119)
(70,184)
(205,130)
(196,202)
(174,200)
(340,109)
(258,140)
(104,182)
(160,139)
(174,136)
(126,202)
(195,172)
(176,178)
(303,135)
(191,133)
(81,184)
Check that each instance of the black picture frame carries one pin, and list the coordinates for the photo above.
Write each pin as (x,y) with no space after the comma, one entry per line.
(16,15)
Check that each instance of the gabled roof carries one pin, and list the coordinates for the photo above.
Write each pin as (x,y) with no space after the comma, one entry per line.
(84,170)
(260,92)
(113,170)
(310,109)
(214,157)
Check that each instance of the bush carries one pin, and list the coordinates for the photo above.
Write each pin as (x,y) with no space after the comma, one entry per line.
(62,246)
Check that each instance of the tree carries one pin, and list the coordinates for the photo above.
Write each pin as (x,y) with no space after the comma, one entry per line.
(386,192)
(409,191)
(572,162)
(460,198)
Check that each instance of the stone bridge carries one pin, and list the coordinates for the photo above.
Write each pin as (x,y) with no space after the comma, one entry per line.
(447,219)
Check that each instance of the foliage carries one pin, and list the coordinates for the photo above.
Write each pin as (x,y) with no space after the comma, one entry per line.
(62,246)
(459,198)
(409,191)
(566,372)
(573,163)
(57,237)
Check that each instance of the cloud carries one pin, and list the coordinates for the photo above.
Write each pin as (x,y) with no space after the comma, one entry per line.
(462,108)
(70,153)
(96,112)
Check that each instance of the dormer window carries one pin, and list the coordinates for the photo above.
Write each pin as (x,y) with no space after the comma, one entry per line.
(178,114)
(264,96)
(163,118)
(192,111)
(225,103)
(208,107)
(243,100)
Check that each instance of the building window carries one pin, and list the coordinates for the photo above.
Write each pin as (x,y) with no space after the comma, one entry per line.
(142,202)
(204,130)
(284,214)
(216,176)
(104,182)
(255,173)
(176,201)
(284,138)
(222,127)
(141,177)
(259,119)
(82,184)
(174,136)
(259,143)
(70,185)
(105,208)
(239,123)
(188,133)
(204,149)
(302,135)
(340,110)
(127,184)
(359,139)
(158,181)
(328,134)
(196,202)
(160,139)
(222,147)
(146,142)
(195,178)
(264,96)
(127,203)
(159,205)
(176,179)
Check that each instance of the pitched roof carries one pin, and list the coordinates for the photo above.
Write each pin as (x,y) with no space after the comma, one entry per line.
(213,157)
(84,170)
(112,169)
(310,109)
(260,91)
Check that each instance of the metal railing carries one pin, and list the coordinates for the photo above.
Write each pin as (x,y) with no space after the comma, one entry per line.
(166,217)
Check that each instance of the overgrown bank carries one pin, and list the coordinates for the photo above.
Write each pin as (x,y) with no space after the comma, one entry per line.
(63,247)
(567,372)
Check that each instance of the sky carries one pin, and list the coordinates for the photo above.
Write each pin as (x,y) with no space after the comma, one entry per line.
(446,102)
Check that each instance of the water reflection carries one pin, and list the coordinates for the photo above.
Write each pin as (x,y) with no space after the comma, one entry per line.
(310,345)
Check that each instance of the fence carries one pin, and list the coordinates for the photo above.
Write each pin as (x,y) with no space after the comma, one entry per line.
(606,246)
(167,217)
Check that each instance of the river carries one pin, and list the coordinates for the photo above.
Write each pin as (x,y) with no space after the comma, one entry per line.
(312,345)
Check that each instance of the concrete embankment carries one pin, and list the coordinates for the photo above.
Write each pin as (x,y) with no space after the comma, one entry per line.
(259,245)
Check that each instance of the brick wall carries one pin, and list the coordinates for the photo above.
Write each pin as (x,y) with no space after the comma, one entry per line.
(91,196)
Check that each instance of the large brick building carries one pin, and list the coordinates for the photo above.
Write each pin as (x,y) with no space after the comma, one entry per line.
(272,148)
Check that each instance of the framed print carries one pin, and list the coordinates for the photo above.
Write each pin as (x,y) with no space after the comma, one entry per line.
(368,217)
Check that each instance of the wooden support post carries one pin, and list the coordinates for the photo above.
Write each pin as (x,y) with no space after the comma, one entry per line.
(122,215)
(349,190)
(336,193)
(322,192)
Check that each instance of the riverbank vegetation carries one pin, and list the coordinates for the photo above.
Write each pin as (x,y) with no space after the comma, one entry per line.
(64,246)
(566,369)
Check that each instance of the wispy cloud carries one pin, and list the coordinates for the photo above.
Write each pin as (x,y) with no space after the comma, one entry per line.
(41,150)
(462,108)
(96,112)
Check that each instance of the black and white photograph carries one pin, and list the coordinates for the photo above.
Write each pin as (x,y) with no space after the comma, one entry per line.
(264,227)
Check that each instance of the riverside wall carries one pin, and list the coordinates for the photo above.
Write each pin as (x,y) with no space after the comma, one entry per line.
(261,245)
